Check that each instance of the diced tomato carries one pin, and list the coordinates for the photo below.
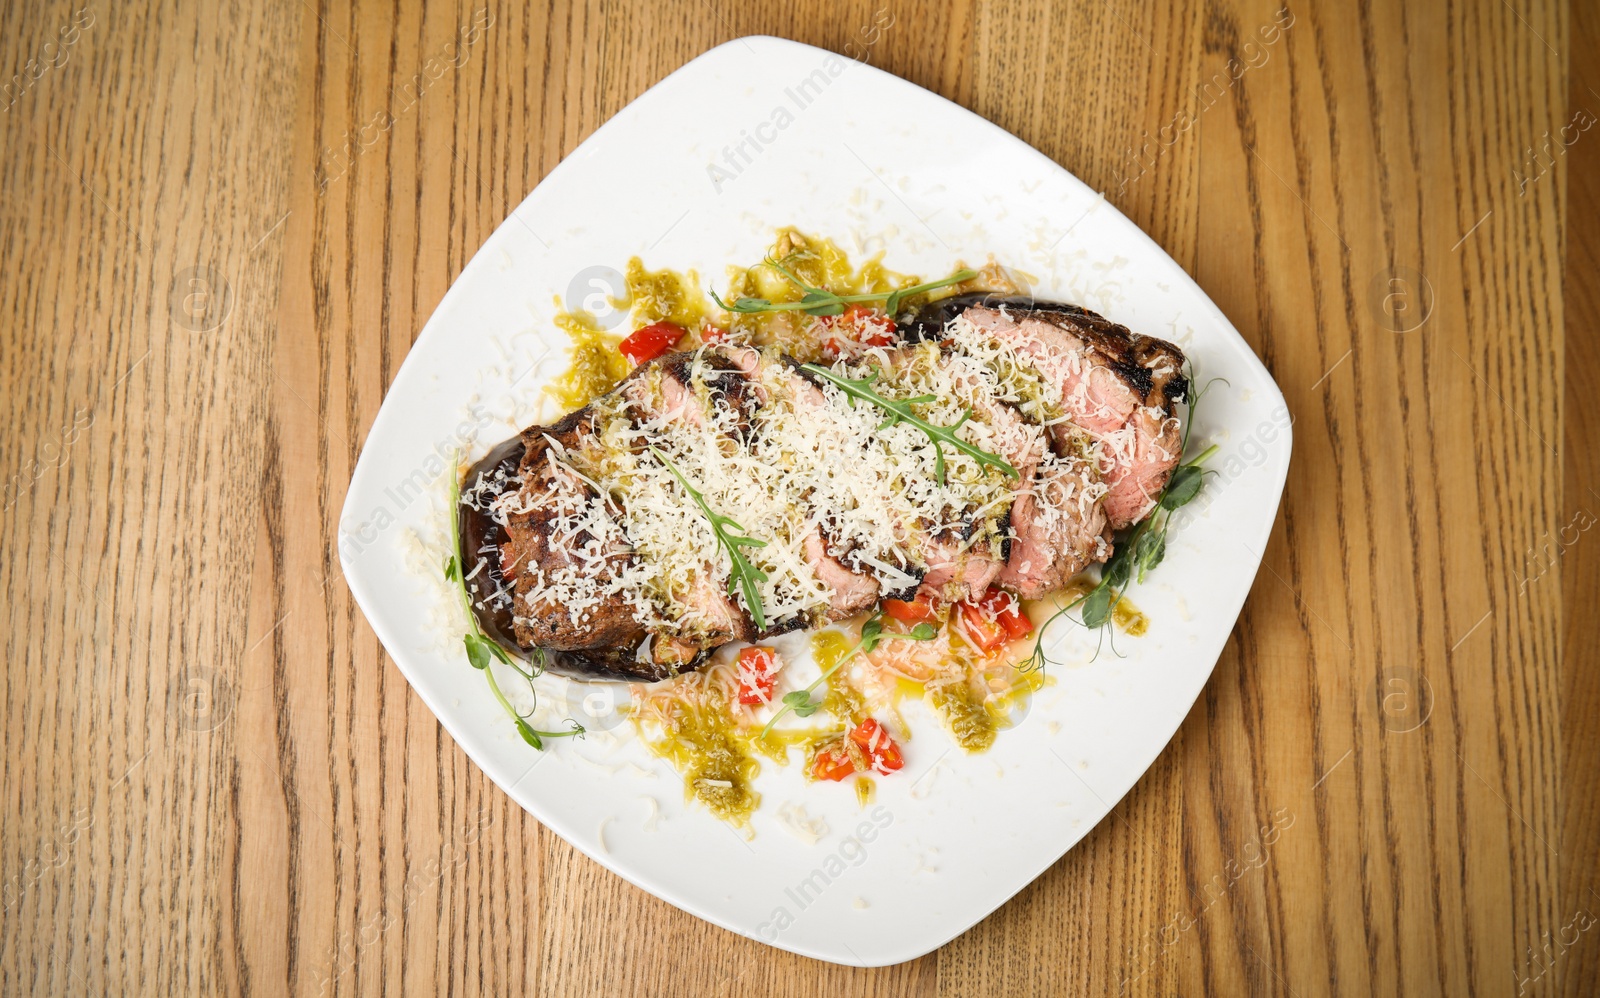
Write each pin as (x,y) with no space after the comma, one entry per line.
(921,610)
(857,326)
(832,764)
(877,746)
(1008,611)
(651,341)
(710,333)
(993,619)
(881,754)
(872,328)
(758,672)
(981,629)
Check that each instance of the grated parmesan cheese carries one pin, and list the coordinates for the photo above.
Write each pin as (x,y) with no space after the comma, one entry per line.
(794,462)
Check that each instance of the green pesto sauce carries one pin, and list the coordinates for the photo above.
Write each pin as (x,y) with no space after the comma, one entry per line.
(665,295)
(594,365)
(970,723)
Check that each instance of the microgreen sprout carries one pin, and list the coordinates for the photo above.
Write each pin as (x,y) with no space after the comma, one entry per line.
(804,703)
(1141,549)
(817,301)
(482,649)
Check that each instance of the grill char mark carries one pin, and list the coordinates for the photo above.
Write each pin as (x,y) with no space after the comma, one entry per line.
(1134,358)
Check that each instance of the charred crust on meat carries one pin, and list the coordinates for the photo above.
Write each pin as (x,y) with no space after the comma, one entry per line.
(1151,366)
(478,531)
(798,369)
(569,432)
(680,366)
(793,622)
(725,383)
(909,592)
(613,664)
(723,379)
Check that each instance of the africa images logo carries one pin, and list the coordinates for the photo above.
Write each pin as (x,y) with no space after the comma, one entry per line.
(200,298)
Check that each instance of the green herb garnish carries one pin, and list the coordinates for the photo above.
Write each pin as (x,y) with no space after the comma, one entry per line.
(872,635)
(745,577)
(816,301)
(481,648)
(900,411)
(1140,550)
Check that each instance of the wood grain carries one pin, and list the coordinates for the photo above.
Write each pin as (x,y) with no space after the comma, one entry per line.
(216,782)
(1579,691)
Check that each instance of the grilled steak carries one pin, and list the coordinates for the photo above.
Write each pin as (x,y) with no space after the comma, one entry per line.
(1117,387)
(604,538)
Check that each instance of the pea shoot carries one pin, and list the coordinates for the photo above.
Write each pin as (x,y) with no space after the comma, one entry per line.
(818,302)
(804,703)
(482,649)
(1141,550)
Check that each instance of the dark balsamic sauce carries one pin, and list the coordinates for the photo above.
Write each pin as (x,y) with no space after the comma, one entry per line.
(479,531)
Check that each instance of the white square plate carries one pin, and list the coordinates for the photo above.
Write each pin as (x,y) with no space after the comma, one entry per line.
(697,173)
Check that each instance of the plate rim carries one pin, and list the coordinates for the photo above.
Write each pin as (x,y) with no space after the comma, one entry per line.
(364,596)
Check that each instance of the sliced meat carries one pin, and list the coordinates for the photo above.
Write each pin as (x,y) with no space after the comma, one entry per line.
(708,615)
(1151,368)
(1135,463)
(1119,387)
(956,571)
(659,390)
(545,533)
(852,592)
(711,616)
(1059,528)
(559,572)
(967,565)
(724,380)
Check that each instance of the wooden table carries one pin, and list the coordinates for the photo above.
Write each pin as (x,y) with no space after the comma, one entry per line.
(216,782)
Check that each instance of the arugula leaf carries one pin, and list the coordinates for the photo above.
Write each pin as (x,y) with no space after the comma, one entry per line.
(744,578)
(900,411)
(817,301)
